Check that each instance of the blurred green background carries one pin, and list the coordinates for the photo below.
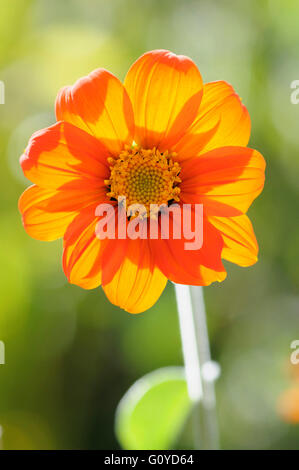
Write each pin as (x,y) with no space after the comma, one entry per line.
(70,354)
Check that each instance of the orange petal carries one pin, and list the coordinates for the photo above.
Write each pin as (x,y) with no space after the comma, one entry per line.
(222,121)
(82,250)
(39,220)
(240,245)
(138,283)
(114,251)
(225,180)
(65,155)
(194,267)
(99,104)
(211,275)
(165,91)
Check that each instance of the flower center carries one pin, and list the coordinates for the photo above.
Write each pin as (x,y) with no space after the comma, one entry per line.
(144,177)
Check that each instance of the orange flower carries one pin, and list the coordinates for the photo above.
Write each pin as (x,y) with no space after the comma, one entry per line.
(163,136)
(288,405)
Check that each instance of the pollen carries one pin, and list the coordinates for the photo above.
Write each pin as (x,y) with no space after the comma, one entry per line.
(144,177)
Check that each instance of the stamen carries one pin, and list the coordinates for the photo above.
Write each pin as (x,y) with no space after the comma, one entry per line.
(144,177)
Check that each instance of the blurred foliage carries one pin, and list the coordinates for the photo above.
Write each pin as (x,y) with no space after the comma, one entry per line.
(153,411)
(71,355)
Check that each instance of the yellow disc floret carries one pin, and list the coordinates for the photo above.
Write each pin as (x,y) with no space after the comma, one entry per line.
(144,177)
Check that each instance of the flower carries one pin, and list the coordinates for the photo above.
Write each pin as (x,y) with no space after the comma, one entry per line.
(288,405)
(163,137)
(288,400)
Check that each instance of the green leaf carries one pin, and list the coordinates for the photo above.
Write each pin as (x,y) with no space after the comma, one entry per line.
(153,411)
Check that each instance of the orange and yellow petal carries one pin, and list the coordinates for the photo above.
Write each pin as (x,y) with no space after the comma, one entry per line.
(165,90)
(82,250)
(64,155)
(99,104)
(185,266)
(225,180)
(240,245)
(138,282)
(222,121)
(41,219)
(114,250)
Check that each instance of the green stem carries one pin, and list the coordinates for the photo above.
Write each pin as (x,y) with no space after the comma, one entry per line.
(200,370)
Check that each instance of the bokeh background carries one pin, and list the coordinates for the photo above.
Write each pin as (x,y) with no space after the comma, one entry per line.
(70,354)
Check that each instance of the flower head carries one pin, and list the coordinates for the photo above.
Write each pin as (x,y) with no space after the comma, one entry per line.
(160,138)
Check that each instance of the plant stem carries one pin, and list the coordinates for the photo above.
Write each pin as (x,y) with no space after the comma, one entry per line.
(200,370)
